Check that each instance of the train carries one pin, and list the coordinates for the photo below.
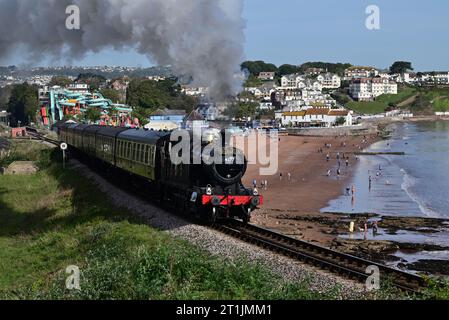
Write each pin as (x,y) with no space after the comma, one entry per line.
(209,192)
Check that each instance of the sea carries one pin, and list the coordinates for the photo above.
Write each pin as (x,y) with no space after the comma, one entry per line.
(413,184)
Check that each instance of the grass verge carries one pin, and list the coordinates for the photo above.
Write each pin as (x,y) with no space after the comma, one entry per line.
(57,218)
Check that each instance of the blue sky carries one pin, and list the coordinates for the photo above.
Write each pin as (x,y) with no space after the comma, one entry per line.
(296,31)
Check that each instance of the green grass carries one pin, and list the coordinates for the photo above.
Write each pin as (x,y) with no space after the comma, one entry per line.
(382,102)
(57,218)
(21,150)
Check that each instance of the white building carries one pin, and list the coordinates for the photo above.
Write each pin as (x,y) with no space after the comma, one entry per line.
(329,81)
(360,72)
(293,81)
(194,91)
(315,117)
(267,76)
(265,105)
(81,88)
(367,89)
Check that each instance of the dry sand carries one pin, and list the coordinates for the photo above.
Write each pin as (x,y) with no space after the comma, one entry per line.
(310,189)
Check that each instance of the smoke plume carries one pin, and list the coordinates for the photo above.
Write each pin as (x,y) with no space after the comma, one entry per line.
(202,39)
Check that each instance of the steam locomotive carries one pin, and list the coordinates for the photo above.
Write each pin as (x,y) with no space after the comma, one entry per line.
(210,192)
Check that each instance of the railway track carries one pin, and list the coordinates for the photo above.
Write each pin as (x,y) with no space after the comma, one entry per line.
(343,264)
(346,265)
(33,133)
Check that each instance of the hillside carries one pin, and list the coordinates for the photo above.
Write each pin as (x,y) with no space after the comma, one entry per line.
(420,101)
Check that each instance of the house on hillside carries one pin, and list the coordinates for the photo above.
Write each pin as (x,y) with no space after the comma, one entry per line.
(267,76)
(368,89)
(360,72)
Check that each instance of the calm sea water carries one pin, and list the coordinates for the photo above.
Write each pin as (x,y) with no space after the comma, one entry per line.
(416,184)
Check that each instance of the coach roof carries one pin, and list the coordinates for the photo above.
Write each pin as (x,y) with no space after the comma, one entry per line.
(143,136)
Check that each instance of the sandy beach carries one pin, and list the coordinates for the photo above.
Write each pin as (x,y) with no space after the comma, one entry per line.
(293,207)
(310,188)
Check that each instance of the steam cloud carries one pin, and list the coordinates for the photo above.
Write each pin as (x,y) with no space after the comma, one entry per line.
(202,39)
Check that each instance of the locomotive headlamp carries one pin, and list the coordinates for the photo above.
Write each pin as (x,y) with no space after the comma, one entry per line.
(255,192)
(209,190)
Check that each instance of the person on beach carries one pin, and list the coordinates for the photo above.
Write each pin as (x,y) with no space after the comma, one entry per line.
(280,176)
(328,157)
(348,190)
(329,173)
(255,183)
(375,228)
(370,182)
(353,190)
(289,176)
(266,184)
(347,163)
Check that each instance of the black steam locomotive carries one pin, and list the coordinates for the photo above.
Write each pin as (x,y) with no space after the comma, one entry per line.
(211,192)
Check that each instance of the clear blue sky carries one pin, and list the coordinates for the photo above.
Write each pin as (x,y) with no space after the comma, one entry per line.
(296,31)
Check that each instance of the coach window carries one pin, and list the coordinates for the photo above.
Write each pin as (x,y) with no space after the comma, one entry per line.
(146,155)
(139,158)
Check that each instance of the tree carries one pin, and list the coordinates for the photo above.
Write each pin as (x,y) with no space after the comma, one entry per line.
(142,114)
(340,121)
(158,95)
(60,81)
(253,81)
(256,67)
(400,67)
(93,114)
(242,110)
(111,94)
(94,81)
(337,68)
(286,69)
(23,103)
(5,94)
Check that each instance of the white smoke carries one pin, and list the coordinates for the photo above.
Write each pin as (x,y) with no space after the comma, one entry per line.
(202,39)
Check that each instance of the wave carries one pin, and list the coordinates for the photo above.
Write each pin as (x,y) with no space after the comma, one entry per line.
(408,183)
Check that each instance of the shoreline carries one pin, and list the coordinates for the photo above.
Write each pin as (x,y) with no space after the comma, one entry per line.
(295,207)
(310,189)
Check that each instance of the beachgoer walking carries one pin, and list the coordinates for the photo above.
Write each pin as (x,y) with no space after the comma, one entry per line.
(347,163)
(255,183)
(328,157)
(280,176)
(375,228)
(289,176)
